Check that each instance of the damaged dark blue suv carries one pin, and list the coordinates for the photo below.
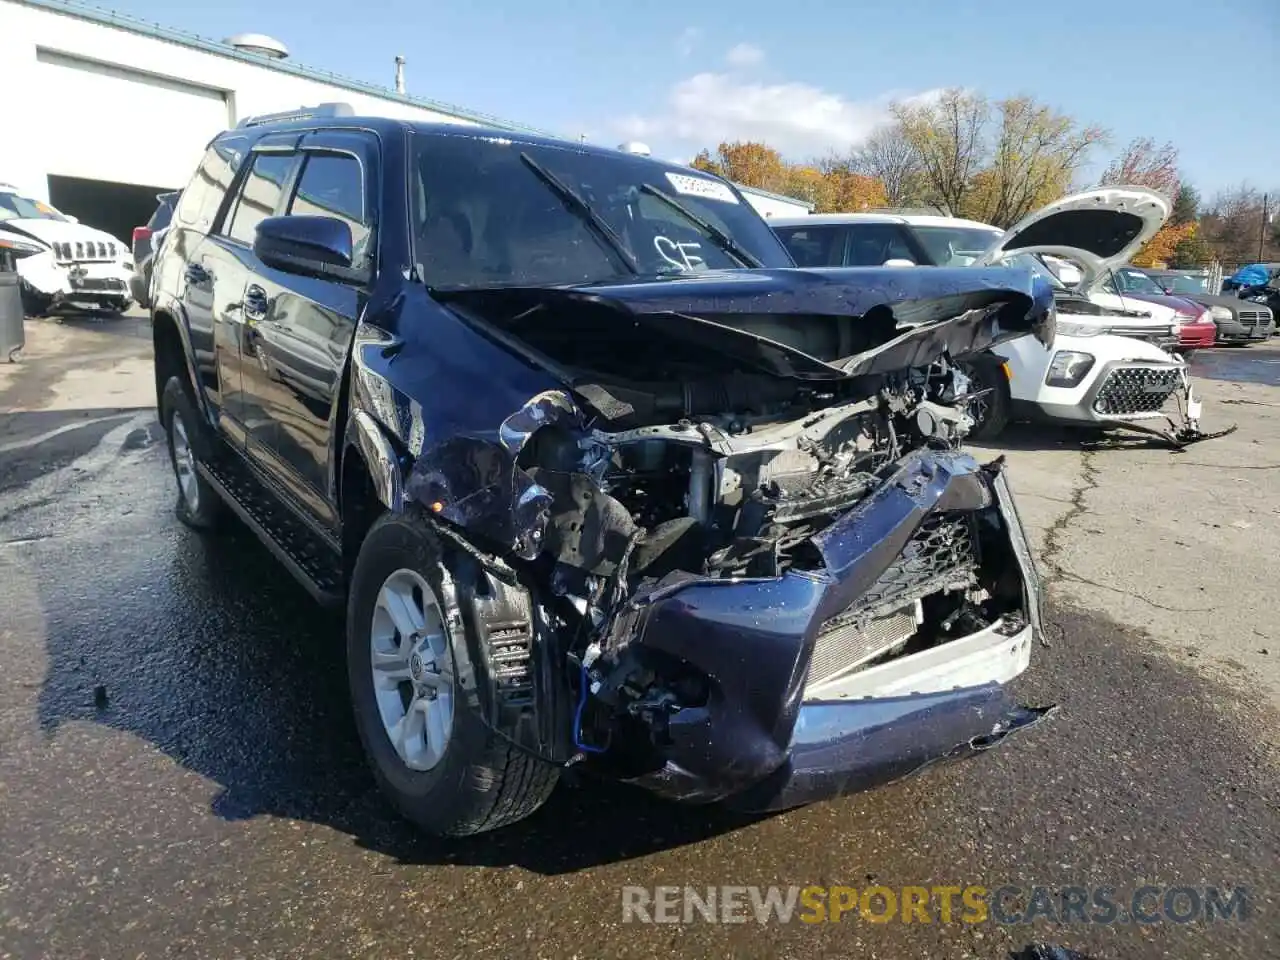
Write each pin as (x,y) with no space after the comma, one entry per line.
(597,473)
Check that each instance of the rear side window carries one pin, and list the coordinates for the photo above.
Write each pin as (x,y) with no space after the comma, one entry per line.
(814,246)
(871,244)
(203,195)
(332,185)
(259,194)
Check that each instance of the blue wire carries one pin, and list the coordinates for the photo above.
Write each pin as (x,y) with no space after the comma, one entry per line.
(577,718)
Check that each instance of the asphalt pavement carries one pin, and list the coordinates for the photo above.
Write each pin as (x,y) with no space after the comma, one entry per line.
(180,773)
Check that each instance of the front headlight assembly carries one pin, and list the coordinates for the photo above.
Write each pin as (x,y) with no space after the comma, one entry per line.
(21,248)
(1220,313)
(1068,368)
(1072,328)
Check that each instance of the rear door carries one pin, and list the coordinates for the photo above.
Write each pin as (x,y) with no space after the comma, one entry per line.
(182,278)
(301,327)
(228,265)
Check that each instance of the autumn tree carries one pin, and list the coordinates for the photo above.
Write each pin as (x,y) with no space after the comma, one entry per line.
(1144,164)
(1233,226)
(1034,158)
(889,156)
(746,162)
(948,138)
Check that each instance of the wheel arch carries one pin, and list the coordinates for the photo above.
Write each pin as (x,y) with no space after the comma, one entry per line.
(172,350)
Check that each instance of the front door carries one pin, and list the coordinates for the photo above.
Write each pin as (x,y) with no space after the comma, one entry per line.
(303,327)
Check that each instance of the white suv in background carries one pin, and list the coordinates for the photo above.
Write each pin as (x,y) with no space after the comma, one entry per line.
(1107,366)
(61,262)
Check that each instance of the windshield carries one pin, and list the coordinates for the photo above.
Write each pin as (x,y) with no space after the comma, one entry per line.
(955,246)
(486,213)
(1037,266)
(1136,282)
(15,207)
(1188,284)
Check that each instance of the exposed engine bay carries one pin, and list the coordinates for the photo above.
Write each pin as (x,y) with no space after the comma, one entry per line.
(752,526)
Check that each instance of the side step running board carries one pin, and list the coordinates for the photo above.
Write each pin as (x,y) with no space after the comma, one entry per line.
(312,562)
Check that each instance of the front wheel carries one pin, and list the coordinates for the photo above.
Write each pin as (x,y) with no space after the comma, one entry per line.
(991,411)
(419,715)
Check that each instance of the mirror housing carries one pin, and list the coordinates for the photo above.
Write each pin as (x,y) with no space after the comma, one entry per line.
(310,246)
(899,262)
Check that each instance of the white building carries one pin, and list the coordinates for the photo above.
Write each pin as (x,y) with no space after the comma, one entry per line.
(105,111)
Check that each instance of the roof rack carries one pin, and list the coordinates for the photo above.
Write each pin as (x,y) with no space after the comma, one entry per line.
(301,113)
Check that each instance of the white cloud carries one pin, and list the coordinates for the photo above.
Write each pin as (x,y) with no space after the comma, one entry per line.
(687,40)
(797,118)
(744,55)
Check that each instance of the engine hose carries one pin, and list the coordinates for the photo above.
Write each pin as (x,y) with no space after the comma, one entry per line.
(577,717)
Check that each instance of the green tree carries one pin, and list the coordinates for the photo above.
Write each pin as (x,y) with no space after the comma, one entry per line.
(1186,206)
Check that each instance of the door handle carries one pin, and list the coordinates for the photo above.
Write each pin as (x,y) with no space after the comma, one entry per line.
(255,302)
(197,274)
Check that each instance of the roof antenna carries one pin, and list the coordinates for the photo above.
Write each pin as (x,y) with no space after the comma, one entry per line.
(400,75)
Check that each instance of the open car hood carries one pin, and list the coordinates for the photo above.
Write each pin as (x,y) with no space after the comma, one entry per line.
(1099,230)
(819,324)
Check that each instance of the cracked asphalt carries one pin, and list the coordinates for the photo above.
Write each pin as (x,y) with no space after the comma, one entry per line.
(180,775)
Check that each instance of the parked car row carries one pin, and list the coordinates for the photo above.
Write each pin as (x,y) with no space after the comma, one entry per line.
(1114,359)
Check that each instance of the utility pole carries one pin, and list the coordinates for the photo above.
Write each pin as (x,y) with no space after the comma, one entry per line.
(1262,230)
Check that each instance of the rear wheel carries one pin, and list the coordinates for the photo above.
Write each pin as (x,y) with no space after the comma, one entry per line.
(190,444)
(416,701)
(991,411)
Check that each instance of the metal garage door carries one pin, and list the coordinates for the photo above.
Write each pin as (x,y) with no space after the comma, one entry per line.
(106,122)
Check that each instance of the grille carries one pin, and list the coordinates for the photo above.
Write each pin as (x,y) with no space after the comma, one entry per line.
(82,250)
(942,554)
(844,644)
(1254,318)
(1129,391)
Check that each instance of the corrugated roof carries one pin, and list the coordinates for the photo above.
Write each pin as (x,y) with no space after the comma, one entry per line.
(156,31)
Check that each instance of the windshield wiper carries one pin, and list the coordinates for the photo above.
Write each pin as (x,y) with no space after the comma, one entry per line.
(722,239)
(598,225)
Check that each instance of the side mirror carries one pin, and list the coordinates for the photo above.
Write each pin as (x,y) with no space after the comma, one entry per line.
(899,262)
(310,246)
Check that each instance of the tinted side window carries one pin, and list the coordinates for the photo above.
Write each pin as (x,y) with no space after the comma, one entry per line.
(332,185)
(871,244)
(203,195)
(259,193)
(814,246)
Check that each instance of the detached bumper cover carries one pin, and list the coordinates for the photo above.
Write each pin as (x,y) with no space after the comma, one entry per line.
(757,736)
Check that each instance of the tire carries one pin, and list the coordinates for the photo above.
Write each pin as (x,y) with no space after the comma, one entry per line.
(984,372)
(190,442)
(474,781)
(34,304)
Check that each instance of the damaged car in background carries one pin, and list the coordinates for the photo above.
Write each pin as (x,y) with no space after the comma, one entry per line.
(604,479)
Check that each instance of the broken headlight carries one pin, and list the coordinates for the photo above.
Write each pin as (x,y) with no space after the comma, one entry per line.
(1070,329)
(1068,368)
(21,248)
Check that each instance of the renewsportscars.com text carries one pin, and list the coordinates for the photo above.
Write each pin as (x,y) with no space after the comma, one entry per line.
(970,904)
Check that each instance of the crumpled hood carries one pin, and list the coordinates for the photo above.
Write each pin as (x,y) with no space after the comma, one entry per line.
(60,231)
(1098,229)
(769,319)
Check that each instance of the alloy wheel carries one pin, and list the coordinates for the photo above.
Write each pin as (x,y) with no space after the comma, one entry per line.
(184,464)
(412,665)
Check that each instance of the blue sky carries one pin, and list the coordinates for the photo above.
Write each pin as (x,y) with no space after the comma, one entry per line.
(803,75)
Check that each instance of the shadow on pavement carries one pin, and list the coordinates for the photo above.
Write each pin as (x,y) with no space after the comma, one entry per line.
(241,679)
(33,443)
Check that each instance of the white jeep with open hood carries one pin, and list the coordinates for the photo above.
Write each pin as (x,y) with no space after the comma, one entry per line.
(62,264)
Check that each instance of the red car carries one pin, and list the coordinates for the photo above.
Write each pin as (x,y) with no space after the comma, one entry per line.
(1196,328)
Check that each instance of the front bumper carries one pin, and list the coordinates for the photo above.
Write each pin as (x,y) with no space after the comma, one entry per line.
(1236,331)
(761,740)
(90,284)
